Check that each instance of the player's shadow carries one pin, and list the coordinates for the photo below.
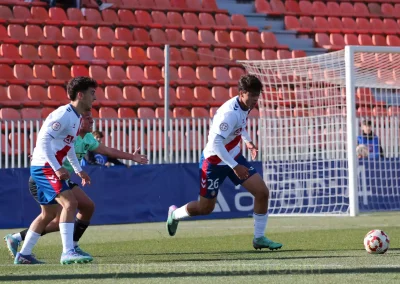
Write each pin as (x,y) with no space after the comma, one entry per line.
(222,272)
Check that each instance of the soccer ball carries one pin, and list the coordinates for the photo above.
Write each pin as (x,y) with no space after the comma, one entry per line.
(376,242)
(362,151)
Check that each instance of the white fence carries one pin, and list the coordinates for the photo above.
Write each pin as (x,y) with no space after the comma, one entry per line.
(309,138)
(187,138)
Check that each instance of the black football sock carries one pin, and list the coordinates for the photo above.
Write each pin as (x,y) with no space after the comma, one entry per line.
(79,228)
(23,233)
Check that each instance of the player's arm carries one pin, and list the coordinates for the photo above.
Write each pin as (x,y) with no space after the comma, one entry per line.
(249,143)
(73,159)
(117,154)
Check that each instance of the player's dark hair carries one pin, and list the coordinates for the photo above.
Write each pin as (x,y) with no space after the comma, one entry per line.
(79,84)
(97,133)
(367,122)
(250,83)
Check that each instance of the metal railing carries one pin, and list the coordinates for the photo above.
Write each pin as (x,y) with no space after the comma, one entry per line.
(186,139)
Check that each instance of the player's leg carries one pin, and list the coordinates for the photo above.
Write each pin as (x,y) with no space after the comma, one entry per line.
(14,240)
(257,187)
(82,220)
(211,176)
(69,205)
(32,236)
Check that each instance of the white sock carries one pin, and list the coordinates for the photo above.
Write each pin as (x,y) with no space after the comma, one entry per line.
(181,213)
(260,224)
(75,244)
(17,236)
(31,239)
(67,236)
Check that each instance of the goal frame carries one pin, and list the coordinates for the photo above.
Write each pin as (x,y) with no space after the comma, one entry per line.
(350,83)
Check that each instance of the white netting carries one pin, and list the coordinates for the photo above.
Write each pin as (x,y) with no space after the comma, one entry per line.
(303,131)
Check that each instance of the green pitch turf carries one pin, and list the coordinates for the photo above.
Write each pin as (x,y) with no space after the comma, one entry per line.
(316,250)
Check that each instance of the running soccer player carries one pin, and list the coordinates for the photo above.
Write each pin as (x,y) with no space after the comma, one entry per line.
(222,158)
(55,142)
(84,142)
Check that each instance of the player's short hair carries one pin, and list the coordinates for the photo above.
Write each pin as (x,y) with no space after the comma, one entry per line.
(250,83)
(79,84)
(97,133)
(367,123)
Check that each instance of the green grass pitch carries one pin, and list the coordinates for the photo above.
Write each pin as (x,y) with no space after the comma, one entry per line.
(316,250)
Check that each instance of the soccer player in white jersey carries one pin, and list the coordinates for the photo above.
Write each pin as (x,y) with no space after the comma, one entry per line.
(85,142)
(55,142)
(222,158)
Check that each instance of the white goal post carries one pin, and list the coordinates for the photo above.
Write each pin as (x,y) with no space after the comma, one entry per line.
(319,154)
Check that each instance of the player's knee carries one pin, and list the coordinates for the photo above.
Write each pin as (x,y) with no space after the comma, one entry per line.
(87,208)
(48,216)
(263,195)
(70,205)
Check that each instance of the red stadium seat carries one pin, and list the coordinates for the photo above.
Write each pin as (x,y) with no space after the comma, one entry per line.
(107,112)
(253,54)
(145,112)
(125,112)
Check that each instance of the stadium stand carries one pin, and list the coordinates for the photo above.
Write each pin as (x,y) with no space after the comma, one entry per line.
(122,48)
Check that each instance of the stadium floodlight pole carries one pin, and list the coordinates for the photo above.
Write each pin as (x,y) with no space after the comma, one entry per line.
(351,131)
(166,103)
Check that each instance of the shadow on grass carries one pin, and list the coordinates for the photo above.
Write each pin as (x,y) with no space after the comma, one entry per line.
(225,271)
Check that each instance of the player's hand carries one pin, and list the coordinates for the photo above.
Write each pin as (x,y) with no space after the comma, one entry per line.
(253,149)
(62,174)
(241,171)
(85,178)
(138,158)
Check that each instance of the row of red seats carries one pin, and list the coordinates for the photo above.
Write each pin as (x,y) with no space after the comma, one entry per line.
(181,5)
(40,74)
(319,8)
(342,25)
(102,55)
(16,96)
(336,41)
(106,36)
(283,111)
(174,5)
(123,18)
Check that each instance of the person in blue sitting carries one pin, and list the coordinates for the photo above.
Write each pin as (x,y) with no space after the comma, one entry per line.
(92,158)
(369,139)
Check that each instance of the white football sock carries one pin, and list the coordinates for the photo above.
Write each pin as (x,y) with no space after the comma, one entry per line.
(17,236)
(181,213)
(75,244)
(260,224)
(67,234)
(31,239)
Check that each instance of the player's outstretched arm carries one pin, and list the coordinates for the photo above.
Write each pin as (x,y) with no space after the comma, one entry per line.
(249,144)
(114,153)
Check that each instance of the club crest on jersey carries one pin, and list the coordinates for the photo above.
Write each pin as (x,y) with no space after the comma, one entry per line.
(223,126)
(56,126)
(68,139)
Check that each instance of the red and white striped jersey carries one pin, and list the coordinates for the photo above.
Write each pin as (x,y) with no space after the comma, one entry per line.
(56,138)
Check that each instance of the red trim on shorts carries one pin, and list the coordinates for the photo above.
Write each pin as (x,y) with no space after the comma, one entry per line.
(203,178)
(215,160)
(53,180)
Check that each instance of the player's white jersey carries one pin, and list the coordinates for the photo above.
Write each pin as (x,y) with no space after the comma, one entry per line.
(63,126)
(229,122)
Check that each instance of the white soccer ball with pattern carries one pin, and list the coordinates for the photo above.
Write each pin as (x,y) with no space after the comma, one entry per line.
(362,151)
(376,242)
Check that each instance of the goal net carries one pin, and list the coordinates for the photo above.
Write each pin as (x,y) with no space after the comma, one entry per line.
(330,131)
